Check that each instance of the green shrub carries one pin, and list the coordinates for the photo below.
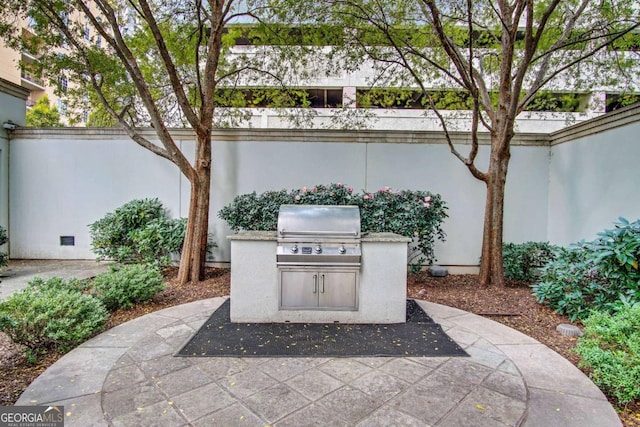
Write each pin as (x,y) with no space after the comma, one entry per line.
(4,257)
(51,314)
(610,350)
(58,283)
(521,261)
(158,239)
(602,274)
(414,214)
(127,285)
(138,231)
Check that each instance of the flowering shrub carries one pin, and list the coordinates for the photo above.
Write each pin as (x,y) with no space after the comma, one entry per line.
(414,214)
(333,194)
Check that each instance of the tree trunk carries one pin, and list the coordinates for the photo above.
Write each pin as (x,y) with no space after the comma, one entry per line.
(194,251)
(491,267)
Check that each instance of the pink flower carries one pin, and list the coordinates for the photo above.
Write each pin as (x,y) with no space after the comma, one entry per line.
(427,199)
(420,201)
(426,205)
(332,194)
(350,189)
(366,197)
(304,189)
(298,197)
(339,185)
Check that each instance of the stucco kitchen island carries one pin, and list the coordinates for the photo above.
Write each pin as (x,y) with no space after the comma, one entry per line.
(381,288)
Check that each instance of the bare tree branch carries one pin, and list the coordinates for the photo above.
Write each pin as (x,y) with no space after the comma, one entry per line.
(172,72)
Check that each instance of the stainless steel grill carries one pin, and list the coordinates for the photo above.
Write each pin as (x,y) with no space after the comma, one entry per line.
(318,257)
(319,235)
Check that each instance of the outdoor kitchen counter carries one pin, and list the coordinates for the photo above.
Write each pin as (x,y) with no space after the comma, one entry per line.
(253,235)
(384,238)
(366,237)
(255,293)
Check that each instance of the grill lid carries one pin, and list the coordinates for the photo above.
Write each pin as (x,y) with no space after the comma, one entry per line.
(318,235)
(311,222)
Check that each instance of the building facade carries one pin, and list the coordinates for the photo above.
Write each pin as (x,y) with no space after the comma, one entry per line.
(13,99)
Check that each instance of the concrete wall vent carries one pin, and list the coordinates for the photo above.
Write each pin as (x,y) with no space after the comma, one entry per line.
(67,240)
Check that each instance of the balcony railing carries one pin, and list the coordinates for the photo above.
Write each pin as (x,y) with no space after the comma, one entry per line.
(32,80)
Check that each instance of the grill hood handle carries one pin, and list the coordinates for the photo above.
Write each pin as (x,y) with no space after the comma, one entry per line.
(318,233)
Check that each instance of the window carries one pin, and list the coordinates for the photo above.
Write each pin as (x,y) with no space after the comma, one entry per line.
(87,32)
(279,98)
(63,84)
(65,19)
(61,105)
(615,101)
(325,98)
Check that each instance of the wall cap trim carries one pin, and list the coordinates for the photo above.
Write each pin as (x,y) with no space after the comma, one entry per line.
(289,135)
(13,89)
(612,120)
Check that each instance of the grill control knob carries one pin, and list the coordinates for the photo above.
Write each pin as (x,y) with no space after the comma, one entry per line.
(318,249)
(294,249)
(342,249)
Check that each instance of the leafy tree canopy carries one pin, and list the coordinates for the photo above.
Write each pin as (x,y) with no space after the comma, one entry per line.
(500,53)
(43,114)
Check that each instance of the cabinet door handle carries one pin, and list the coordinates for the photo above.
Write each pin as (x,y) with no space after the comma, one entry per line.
(322,283)
(315,283)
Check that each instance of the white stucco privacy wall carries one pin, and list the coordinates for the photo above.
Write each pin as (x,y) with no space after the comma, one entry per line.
(64,179)
(594,176)
(12,110)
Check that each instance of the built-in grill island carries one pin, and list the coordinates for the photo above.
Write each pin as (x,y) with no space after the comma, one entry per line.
(318,268)
(318,257)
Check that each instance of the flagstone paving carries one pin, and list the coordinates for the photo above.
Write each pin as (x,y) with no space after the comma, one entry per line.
(129,376)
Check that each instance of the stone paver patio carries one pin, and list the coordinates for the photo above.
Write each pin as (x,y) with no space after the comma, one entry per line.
(128,376)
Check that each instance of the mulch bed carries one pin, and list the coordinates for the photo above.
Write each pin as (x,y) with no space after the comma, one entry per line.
(513,305)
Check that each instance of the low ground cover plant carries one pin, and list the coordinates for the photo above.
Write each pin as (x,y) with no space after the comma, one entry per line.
(51,314)
(139,231)
(127,285)
(522,261)
(602,274)
(415,214)
(610,350)
(59,314)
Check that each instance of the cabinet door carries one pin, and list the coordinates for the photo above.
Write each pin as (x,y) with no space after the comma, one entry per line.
(299,289)
(338,289)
